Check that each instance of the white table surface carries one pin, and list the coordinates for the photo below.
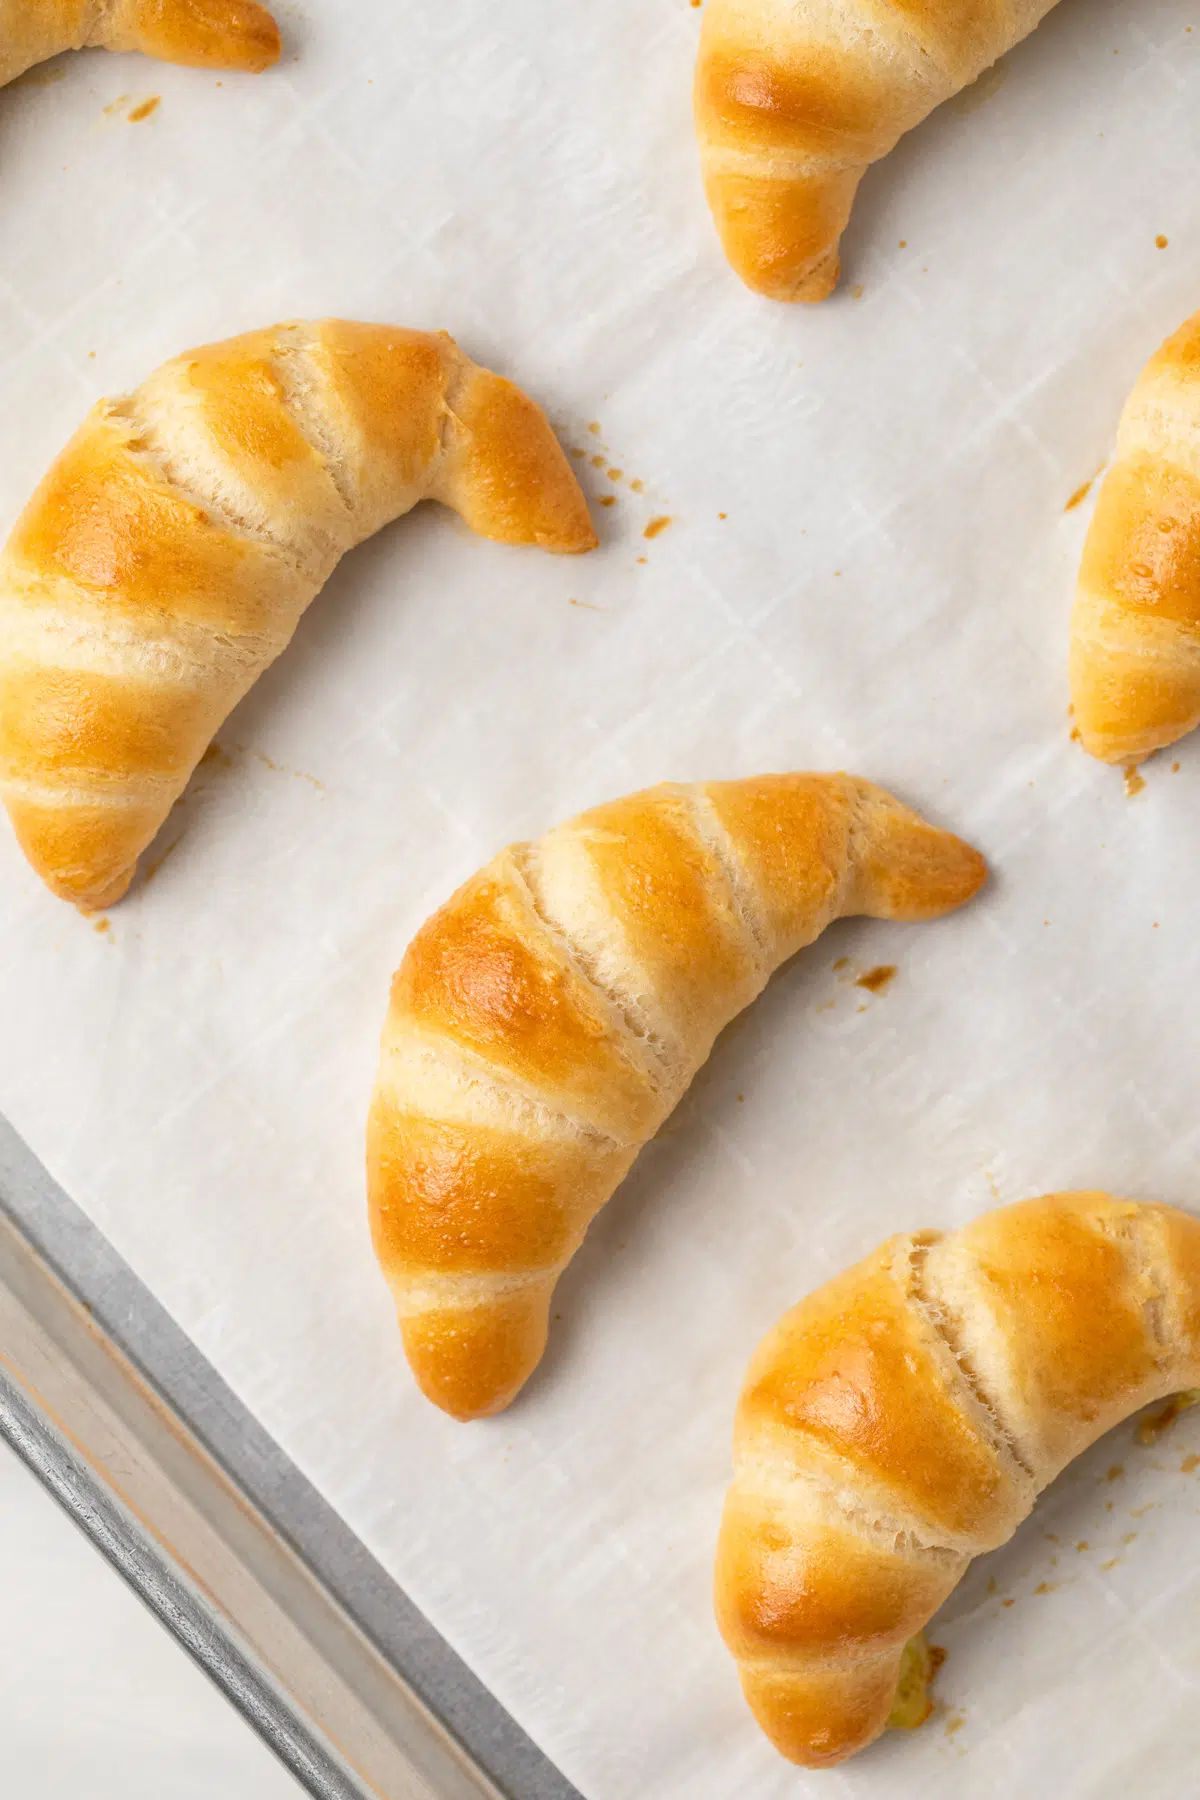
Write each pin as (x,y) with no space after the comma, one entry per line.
(95,1697)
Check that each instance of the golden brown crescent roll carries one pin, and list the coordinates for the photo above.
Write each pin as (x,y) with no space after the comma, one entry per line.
(545,1022)
(1135,632)
(904,1418)
(795,100)
(167,557)
(205,34)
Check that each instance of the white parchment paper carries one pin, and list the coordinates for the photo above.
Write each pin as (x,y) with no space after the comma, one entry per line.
(869,566)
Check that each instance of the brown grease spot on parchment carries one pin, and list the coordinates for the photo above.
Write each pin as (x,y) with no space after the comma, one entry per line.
(146,110)
(877,981)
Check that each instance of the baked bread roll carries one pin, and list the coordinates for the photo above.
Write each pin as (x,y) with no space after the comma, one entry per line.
(545,1022)
(794,102)
(1135,631)
(206,34)
(904,1418)
(167,557)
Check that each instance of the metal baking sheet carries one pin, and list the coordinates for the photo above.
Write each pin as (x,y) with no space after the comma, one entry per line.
(174,1482)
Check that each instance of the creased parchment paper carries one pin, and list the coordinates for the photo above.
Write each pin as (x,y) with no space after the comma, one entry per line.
(868,565)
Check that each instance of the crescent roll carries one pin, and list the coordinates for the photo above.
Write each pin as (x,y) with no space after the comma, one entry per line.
(795,99)
(205,34)
(168,556)
(1135,630)
(546,1021)
(904,1418)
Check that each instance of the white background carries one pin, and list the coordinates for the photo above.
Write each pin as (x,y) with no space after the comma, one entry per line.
(889,592)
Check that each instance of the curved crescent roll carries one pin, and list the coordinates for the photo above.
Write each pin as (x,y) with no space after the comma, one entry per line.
(545,1022)
(167,557)
(1135,631)
(796,98)
(205,34)
(903,1419)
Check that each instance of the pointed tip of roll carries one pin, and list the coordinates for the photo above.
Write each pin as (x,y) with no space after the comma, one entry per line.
(473,1361)
(909,869)
(205,34)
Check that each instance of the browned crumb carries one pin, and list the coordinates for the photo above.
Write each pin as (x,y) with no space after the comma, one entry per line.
(877,981)
(146,109)
(656,527)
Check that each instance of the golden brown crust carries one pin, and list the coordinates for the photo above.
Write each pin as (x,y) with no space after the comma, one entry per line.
(92,838)
(777,1589)
(168,555)
(904,1418)
(1135,631)
(545,1021)
(472,1361)
(206,34)
(855,1370)
(480,975)
(504,455)
(792,106)
(810,1721)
